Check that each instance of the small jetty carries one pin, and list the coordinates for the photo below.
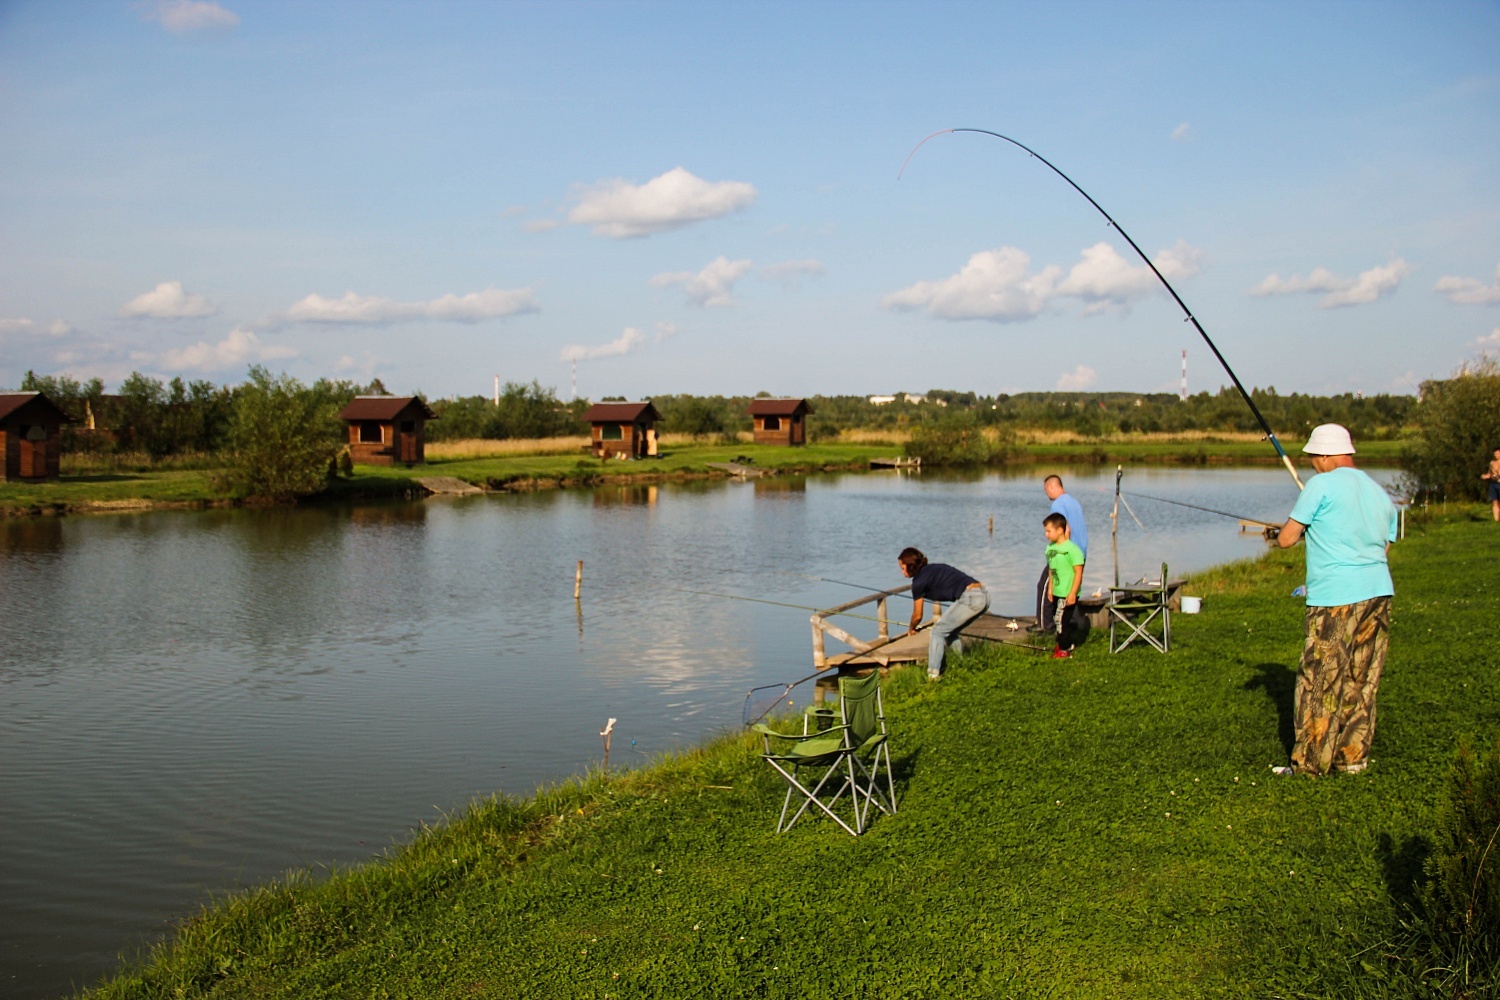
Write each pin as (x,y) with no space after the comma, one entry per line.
(447,486)
(896,463)
(740,470)
(885,651)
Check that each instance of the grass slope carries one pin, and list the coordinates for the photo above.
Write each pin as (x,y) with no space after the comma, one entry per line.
(1101,827)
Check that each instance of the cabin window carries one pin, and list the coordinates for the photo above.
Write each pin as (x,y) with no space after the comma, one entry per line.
(407,426)
(611,432)
(772,423)
(369,432)
(36,432)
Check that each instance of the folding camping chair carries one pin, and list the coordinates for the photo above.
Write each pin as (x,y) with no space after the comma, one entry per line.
(845,759)
(1141,612)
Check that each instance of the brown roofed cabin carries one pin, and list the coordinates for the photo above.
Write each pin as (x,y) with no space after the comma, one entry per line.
(384,430)
(31,436)
(780,421)
(623,429)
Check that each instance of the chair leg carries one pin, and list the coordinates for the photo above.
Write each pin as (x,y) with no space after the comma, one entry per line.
(810,797)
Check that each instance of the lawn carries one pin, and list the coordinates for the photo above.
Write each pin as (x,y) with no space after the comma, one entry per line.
(1106,826)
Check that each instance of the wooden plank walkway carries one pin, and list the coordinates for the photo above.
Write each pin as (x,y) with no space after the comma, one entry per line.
(913,648)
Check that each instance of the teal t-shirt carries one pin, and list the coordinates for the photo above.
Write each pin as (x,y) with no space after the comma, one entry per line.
(1061,558)
(1349,520)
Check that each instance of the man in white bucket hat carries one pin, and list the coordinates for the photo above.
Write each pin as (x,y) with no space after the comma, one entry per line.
(1349,523)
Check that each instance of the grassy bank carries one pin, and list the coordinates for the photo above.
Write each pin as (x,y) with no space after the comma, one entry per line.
(552,463)
(1101,827)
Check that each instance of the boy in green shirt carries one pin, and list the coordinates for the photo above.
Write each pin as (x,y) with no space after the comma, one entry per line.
(1065,561)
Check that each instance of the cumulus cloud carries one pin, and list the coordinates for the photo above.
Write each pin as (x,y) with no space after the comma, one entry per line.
(628,341)
(712,286)
(620,209)
(1470,291)
(999,285)
(1181,132)
(57,328)
(191,17)
(1372,284)
(167,301)
(239,348)
(373,310)
(1105,280)
(791,272)
(665,332)
(1489,340)
(1080,378)
(995,285)
(18,324)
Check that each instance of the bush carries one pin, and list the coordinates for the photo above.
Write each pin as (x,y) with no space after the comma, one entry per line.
(1459,429)
(956,439)
(284,437)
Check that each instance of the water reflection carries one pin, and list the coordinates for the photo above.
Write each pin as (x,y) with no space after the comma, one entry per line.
(192,701)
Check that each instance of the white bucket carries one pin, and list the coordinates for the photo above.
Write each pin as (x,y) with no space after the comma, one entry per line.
(1192,605)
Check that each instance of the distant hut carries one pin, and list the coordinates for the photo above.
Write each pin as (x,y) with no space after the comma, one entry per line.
(31,436)
(780,421)
(384,430)
(625,429)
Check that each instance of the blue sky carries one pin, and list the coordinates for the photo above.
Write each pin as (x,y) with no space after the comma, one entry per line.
(703,198)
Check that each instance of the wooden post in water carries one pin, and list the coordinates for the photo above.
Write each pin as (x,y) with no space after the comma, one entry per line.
(607,734)
(820,660)
(992,524)
(885,625)
(578,581)
(1114,523)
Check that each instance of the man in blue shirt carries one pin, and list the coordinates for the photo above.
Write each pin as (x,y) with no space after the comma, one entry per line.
(1349,523)
(1077,533)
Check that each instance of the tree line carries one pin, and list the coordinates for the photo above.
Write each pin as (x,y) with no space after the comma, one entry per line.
(1452,425)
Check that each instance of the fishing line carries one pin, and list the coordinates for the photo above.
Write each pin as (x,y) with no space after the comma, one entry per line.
(1179,503)
(1270,434)
(799,607)
(842,583)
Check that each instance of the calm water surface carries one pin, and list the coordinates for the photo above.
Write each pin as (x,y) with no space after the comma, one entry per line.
(194,702)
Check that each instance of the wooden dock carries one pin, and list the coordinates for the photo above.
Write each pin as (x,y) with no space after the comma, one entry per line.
(913,648)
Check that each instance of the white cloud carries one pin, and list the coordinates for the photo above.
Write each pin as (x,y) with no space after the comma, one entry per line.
(540,225)
(791,272)
(620,209)
(1470,291)
(188,17)
(373,310)
(1182,131)
(1105,280)
(665,332)
(167,301)
(995,285)
(712,286)
(1372,284)
(240,347)
(631,340)
(998,284)
(1080,378)
(19,324)
(1491,339)
(57,328)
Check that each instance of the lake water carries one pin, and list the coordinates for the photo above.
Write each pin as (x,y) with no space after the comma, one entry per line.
(191,702)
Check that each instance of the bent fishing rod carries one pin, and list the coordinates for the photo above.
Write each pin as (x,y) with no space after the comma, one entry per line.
(1270,434)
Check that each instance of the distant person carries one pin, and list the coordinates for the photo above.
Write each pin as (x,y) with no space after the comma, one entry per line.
(965,596)
(1065,573)
(1077,533)
(1349,523)
(1493,476)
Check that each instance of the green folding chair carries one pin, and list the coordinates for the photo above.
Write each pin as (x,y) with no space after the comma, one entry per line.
(837,769)
(1140,612)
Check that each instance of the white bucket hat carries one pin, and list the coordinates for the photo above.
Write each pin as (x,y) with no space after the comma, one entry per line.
(1329,439)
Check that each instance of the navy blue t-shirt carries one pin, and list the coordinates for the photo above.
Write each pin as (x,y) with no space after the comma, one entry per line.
(940,582)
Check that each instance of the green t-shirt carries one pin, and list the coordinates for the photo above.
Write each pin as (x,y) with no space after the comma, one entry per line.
(1061,558)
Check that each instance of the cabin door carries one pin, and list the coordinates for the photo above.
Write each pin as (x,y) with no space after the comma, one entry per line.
(34,453)
(406,442)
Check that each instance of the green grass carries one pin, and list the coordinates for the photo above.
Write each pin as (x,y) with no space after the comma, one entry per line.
(1101,827)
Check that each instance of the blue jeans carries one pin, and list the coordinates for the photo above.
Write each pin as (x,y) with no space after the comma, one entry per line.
(974,602)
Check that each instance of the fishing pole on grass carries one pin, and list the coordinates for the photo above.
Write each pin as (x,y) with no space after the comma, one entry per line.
(1270,434)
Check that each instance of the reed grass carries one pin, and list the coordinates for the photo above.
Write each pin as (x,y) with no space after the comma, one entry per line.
(1105,826)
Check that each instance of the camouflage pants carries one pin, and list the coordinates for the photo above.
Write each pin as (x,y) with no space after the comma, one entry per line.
(1341,664)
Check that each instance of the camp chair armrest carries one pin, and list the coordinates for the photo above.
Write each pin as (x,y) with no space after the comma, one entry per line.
(768,732)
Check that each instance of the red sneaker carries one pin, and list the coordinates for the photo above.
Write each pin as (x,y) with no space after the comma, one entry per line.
(1061,654)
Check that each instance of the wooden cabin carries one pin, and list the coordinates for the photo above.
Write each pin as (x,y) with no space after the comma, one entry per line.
(625,430)
(384,430)
(780,421)
(31,437)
